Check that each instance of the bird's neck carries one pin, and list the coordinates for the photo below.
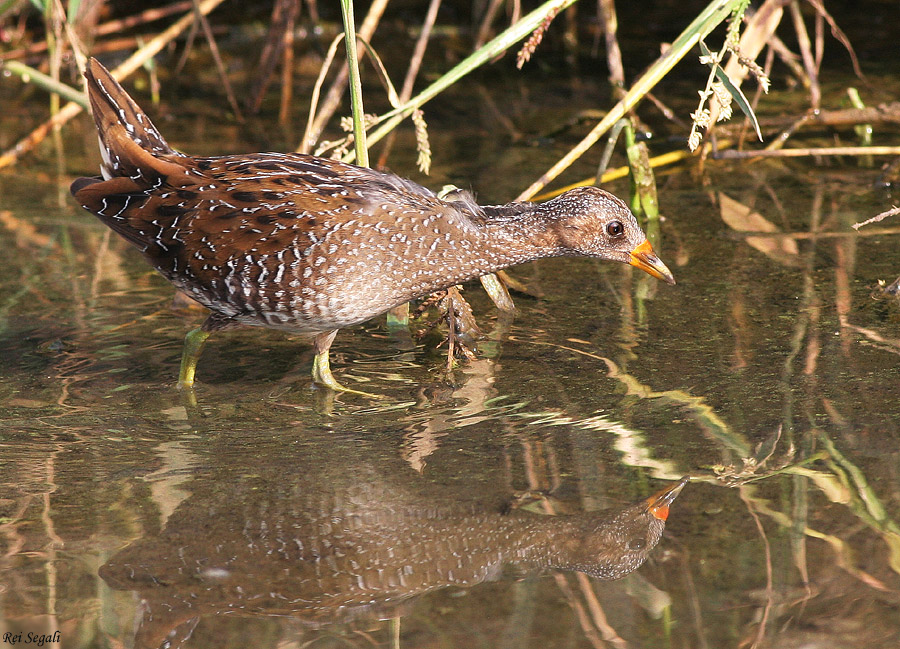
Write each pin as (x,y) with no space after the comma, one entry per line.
(526,226)
(542,541)
(507,236)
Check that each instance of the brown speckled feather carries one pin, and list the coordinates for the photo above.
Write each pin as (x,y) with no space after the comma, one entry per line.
(307,244)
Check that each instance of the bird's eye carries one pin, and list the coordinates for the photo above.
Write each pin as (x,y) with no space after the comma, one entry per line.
(615,229)
(637,544)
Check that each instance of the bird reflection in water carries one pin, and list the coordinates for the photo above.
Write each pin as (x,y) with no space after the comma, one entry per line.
(329,544)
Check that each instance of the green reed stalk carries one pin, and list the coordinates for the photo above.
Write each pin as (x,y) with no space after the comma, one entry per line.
(38,78)
(502,42)
(708,19)
(356,100)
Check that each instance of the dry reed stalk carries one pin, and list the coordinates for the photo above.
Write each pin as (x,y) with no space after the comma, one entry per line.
(806,53)
(711,16)
(279,36)
(110,27)
(807,152)
(413,71)
(333,98)
(607,9)
(287,69)
(132,63)
(220,66)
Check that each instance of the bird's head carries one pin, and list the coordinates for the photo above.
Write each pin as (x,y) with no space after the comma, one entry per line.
(592,222)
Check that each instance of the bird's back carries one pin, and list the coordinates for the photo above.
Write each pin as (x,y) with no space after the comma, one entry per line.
(267,238)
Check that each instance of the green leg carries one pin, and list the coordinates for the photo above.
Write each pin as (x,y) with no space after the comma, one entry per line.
(193,346)
(498,293)
(398,317)
(321,370)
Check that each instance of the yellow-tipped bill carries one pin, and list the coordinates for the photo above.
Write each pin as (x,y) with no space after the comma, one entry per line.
(644,258)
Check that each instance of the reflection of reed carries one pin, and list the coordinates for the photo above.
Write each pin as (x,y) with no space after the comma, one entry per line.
(705,416)
(808,446)
(26,542)
(55,542)
(764,618)
(76,266)
(13,529)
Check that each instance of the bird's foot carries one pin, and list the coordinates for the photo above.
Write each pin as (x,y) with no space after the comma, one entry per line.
(323,377)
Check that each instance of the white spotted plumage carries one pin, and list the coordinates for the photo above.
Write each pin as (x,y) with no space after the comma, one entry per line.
(308,244)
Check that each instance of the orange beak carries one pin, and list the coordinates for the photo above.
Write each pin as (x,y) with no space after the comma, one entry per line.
(658,504)
(644,258)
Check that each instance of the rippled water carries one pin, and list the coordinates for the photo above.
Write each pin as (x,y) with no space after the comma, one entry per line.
(769,374)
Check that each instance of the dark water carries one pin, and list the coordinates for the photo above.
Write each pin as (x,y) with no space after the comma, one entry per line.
(769,374)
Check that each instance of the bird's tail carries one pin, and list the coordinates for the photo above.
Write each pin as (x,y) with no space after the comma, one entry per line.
(129,143)
(136,160)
